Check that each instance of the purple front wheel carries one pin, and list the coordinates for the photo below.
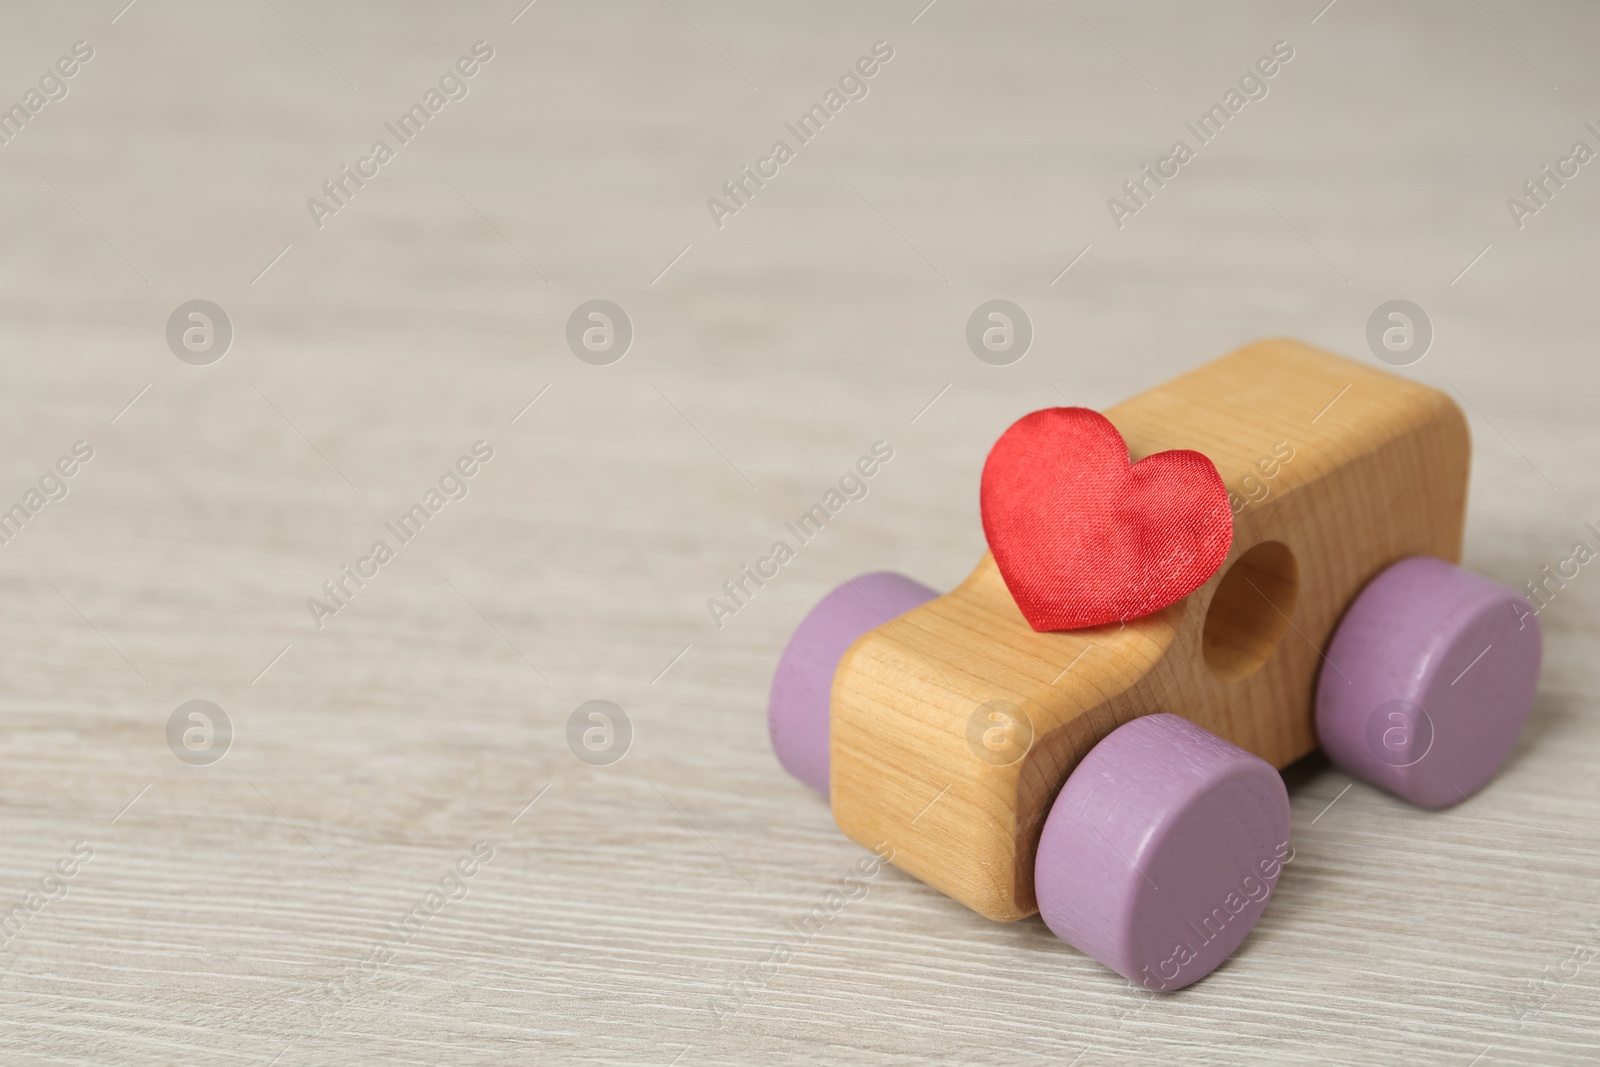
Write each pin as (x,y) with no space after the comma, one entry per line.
(797,713)
(1161,850)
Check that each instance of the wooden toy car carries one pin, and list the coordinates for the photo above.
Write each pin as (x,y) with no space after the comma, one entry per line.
(1121,778)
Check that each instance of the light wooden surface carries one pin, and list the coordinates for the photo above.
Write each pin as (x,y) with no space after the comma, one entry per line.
(227,911)
(1378,476)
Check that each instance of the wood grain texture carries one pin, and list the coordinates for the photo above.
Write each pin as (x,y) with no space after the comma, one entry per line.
(1378,476)
(228,910)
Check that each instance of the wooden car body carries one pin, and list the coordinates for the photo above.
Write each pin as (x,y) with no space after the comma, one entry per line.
(1335,470)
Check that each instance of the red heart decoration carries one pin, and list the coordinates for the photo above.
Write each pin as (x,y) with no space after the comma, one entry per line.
(1082,537)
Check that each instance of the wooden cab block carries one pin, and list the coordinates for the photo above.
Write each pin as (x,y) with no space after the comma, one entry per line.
(954,726)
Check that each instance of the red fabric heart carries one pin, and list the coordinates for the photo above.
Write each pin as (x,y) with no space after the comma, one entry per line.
(1082,537)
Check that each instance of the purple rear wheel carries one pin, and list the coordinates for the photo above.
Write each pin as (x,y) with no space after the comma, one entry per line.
(1429,679)
(797,712)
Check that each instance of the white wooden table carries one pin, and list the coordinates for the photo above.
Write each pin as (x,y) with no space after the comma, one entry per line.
(244,911)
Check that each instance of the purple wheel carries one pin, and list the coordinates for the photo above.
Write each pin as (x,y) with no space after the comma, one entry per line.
(1161,850)
(797,713)
(1429,679)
